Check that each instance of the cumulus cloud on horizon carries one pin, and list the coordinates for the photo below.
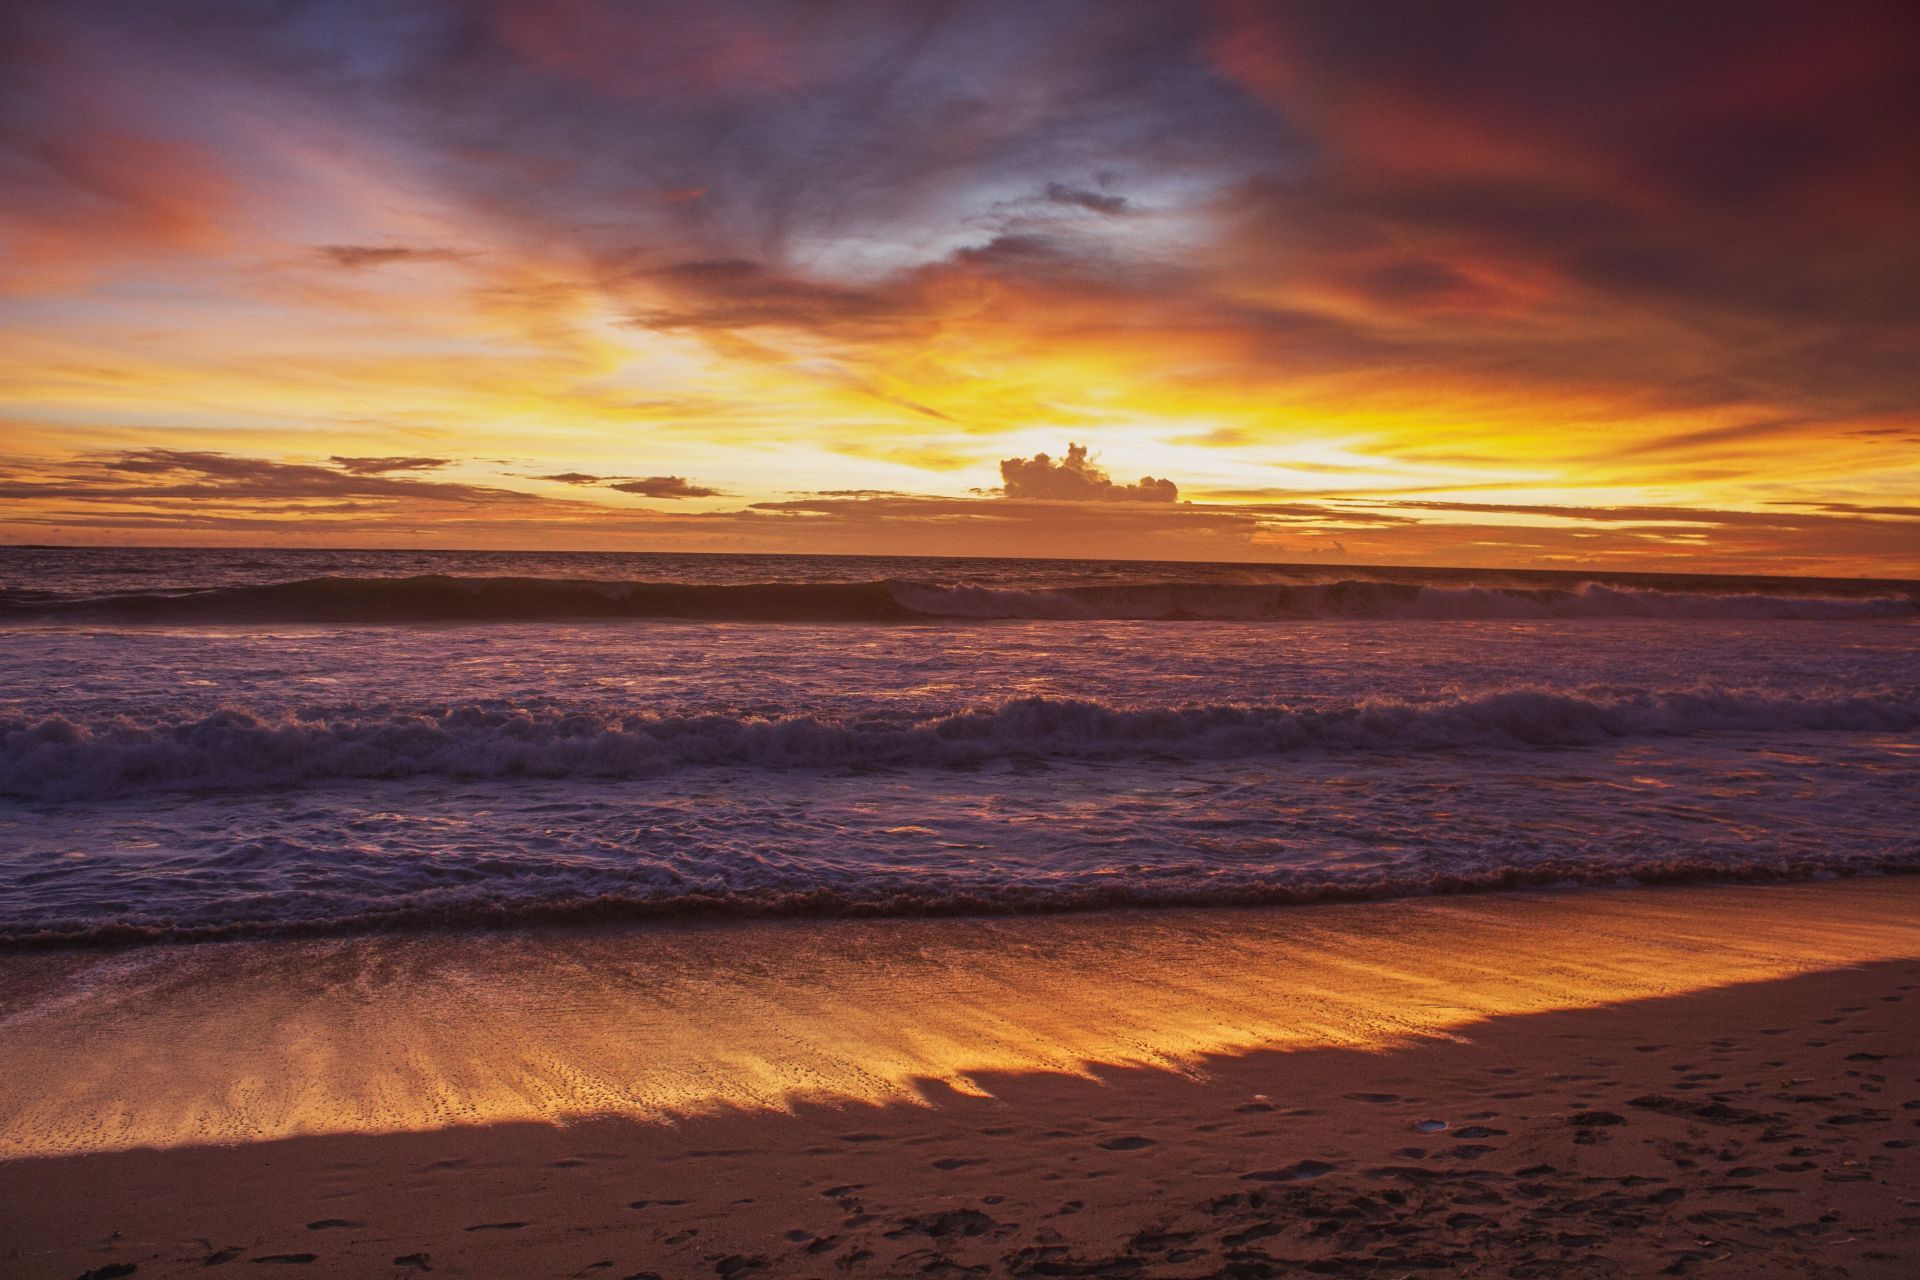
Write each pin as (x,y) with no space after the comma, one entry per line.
(1076,478)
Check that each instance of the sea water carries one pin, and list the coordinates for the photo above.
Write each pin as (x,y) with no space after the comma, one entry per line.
(215,743)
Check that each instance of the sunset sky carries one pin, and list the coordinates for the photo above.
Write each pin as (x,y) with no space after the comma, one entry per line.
(1553,285)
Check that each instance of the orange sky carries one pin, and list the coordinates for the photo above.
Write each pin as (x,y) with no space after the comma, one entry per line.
(1491,283)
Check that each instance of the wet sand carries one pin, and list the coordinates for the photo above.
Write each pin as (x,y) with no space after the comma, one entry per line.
(1695,1081)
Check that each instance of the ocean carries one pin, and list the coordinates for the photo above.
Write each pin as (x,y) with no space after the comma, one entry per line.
(204,744)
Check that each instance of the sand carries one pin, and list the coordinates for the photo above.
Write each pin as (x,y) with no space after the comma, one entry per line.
(1689,1081)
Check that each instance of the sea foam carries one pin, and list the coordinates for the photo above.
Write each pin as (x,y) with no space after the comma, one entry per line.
(60,758)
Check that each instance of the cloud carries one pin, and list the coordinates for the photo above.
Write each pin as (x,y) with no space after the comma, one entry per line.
(736,293)
(186,475)
(355,257)
(380,466)
(224,498)
(1081,198)
(1861,509)
(645,486)
(1638,248)
(1658,515)
(663,487)
(1075,479)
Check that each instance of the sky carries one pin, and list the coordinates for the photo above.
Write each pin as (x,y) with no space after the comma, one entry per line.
(1631,286)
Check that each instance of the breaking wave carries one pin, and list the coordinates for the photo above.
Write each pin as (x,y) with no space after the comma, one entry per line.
(57,758)
(439,598)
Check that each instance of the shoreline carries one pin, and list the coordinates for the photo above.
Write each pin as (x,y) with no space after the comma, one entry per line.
(1622,1075)
(1577,1146)
(612,914)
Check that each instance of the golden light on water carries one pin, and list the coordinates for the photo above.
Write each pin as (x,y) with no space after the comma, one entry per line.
(244,1042)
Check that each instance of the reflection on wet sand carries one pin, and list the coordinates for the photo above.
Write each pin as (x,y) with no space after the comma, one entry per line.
(170,1046)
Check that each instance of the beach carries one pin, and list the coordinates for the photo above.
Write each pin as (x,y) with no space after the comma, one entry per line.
(1700,1080)
(845,641)
(648,915)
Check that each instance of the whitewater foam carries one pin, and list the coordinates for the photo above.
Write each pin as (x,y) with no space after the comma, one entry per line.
(818,736)
(57,758)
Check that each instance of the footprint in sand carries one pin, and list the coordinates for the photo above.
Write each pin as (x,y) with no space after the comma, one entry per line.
(299,1258)
(1300,1172)
(329,1224)
(951,1163)
(1129,1143)
(939,1226)
(496,1226)
(417,1261)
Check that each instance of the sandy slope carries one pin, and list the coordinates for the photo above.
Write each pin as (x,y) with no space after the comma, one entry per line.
(1760,1123)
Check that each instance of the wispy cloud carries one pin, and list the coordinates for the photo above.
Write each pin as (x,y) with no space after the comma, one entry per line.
(381,466)
(355,257)
(663,487)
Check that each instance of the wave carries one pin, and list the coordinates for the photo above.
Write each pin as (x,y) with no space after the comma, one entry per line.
(1102,893)
(57,758)
(1367,598)
(438,598)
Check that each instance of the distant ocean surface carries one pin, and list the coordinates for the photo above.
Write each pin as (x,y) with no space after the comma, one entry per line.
(206,744)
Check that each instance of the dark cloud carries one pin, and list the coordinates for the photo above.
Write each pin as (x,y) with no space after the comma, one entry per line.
(645,486)
(380,466)
(169,475)
(1081,198)
(1747,172)
(1480,188)
(741,294)
(1861,509)
(663,487)
(1076,479)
